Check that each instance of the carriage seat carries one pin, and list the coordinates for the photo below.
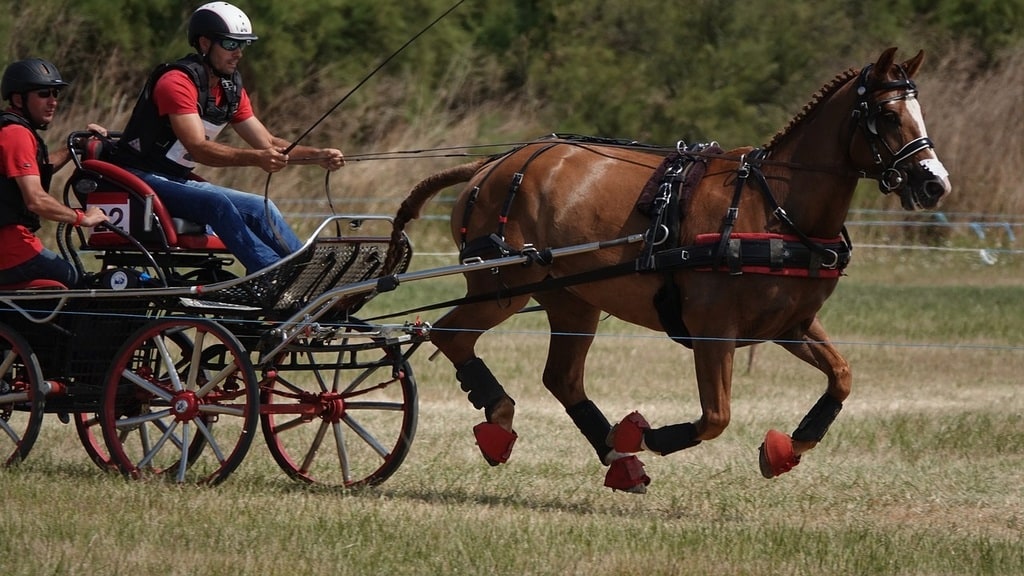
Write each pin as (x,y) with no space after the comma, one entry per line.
(136,209)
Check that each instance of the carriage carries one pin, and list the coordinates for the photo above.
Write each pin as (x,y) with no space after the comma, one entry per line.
(724,249)
(168,364)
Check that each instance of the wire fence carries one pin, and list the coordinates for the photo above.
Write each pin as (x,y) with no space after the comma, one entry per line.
(990,236)
(993,238)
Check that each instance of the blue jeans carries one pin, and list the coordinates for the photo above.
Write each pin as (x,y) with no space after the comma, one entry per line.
(252,228)
(47,264)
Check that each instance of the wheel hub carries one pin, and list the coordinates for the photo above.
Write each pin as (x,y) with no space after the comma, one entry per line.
(185,406)
(334,407)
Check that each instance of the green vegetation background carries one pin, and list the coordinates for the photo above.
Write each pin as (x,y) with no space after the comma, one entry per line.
(657,72)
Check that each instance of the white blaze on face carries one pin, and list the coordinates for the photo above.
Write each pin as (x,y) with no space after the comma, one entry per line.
(932,164)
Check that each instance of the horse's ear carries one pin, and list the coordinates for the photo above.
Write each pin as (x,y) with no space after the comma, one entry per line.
(885,62)
(913,64)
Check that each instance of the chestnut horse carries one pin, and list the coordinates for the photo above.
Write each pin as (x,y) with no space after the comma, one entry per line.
(791,196)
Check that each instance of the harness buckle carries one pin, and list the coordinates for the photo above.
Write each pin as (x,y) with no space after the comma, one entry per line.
(657,235)
(835,260)
(890,180)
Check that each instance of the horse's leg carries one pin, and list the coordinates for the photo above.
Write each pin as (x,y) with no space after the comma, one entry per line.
(713,360)
(455,335)
(780,453)
(573,324)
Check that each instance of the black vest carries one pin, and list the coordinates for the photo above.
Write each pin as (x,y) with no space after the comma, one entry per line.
(12,203)
(146,140)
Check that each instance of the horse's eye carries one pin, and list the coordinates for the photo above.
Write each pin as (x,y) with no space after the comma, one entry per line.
(890,117)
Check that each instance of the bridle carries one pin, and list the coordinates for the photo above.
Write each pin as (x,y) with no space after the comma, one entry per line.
(889,176)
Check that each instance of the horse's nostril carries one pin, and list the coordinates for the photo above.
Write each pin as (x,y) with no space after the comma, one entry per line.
(934,189)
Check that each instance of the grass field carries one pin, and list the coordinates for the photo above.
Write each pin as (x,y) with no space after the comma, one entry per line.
(920,474)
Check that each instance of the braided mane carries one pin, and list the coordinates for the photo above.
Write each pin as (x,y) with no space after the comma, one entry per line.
(822,94)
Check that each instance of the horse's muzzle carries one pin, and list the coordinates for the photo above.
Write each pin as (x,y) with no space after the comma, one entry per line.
(928,185)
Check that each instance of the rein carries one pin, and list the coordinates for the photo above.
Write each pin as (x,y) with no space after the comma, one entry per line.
(327,178)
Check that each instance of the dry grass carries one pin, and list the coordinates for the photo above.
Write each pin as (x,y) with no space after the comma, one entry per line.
(918,476)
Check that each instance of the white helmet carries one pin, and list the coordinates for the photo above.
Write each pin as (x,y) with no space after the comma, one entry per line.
(219,20)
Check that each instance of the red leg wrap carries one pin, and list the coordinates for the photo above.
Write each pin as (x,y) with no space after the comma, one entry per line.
(776,454)
(627,474)
(627,435)
(495,442)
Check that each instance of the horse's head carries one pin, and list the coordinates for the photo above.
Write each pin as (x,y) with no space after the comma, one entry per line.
(891,144)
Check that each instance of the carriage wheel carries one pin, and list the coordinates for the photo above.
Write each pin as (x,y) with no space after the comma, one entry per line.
(21,400)
(90,433)
(186,412)
(321,428)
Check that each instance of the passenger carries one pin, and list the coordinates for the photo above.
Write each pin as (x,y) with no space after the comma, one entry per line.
(32,87)
(181,110)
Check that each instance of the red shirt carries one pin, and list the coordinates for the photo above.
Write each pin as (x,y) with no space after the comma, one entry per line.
(17,158)
(174,93)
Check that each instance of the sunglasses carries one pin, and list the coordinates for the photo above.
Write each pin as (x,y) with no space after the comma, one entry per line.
(48,93)
(231,45)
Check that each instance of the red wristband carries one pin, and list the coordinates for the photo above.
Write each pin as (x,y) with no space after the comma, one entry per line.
(78,218)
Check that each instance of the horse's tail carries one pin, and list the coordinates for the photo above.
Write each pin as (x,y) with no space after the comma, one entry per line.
(422,193)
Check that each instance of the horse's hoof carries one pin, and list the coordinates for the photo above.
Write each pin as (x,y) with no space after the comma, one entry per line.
(495,442)
(627,436)
(776,454)
(627,474)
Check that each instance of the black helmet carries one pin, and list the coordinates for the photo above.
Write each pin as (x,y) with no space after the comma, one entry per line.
(219,20)
(27,75)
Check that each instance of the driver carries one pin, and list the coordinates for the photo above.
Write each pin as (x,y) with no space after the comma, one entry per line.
(33,87)
(179,114)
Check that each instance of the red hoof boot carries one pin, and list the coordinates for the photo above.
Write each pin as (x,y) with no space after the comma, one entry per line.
(626,436)
(776,454)
(627,474)
(495,442)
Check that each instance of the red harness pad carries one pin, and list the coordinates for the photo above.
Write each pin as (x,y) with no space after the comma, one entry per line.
(787,269)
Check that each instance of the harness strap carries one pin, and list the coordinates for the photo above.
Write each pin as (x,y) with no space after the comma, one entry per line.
(729,221)
(772,253)
(830,258)
(517,181)
(667,200)
(467,247)
(547,283)
(473,196)
(730,253)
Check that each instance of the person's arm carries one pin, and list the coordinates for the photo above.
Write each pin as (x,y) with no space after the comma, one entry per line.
(39,201)
(328,158)
(191,133)
(60,157)
(256,135)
